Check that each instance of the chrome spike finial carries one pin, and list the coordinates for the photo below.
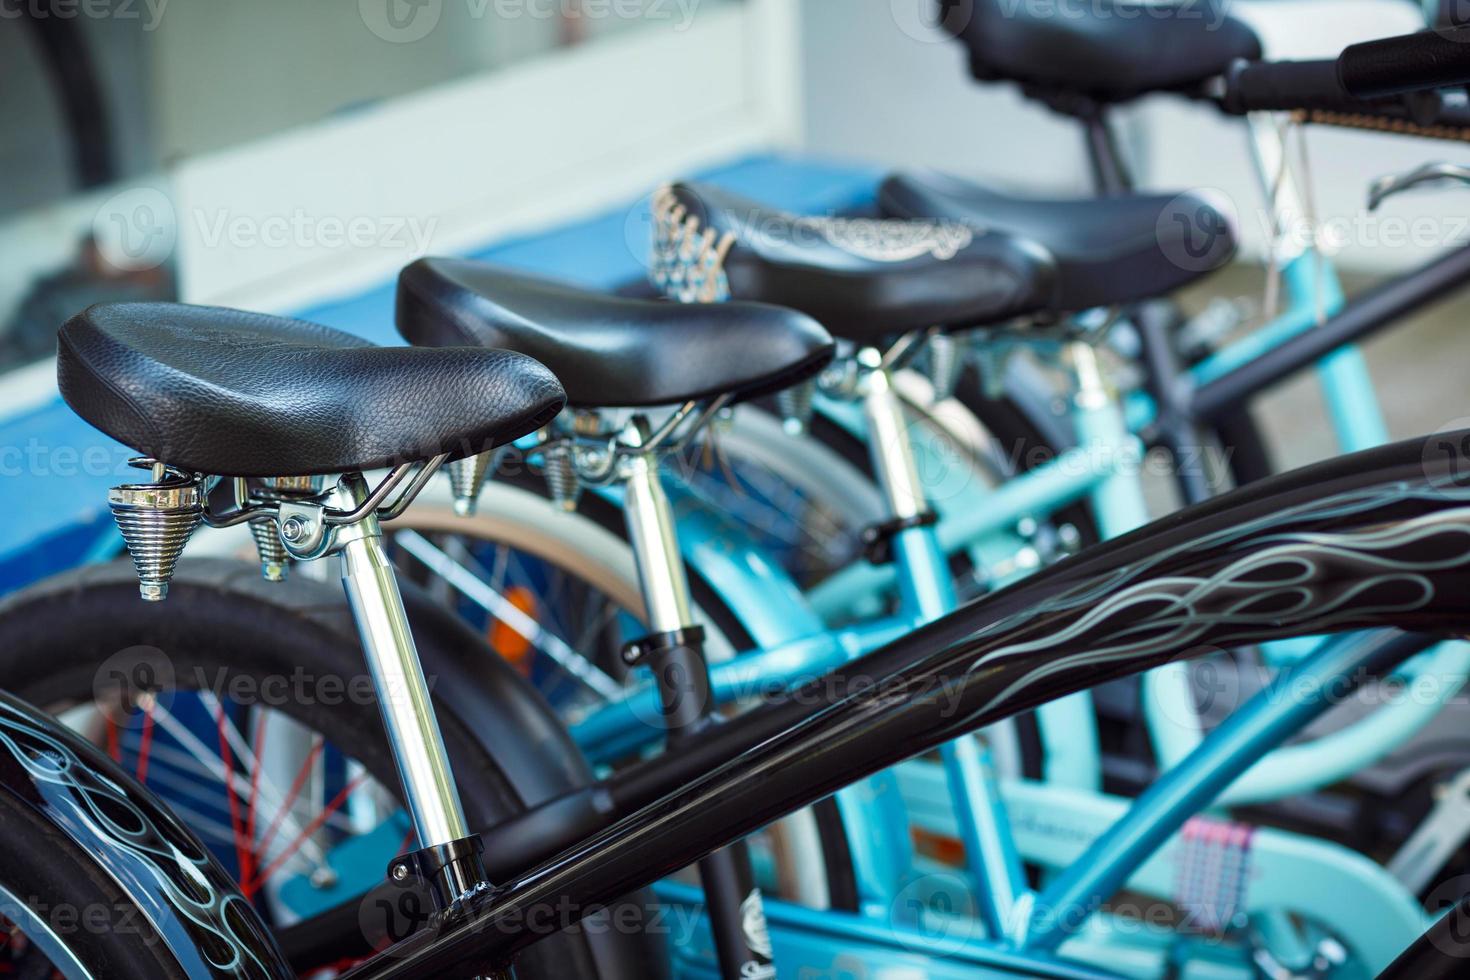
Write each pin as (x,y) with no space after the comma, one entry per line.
(560,471)
(275,560)
(156,520)
(795,406)
(466,477)
(946,360)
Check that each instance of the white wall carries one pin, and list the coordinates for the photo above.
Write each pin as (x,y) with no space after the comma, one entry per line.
(881,85)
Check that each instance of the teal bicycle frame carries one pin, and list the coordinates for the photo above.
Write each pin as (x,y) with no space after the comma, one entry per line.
(794,644)
(976,807)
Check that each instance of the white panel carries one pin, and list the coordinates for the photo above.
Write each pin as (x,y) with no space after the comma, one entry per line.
(340,205)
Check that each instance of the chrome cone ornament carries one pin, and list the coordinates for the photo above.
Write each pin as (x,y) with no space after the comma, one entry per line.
(795,407)
(946,361)
(466,477)
(275,560)
(560,471)
(156,520)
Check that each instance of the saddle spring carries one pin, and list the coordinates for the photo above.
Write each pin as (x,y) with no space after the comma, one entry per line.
(156,520)
(467,478)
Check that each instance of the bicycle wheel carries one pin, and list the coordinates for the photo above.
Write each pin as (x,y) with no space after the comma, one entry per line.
(557,594)
(233,662)
(91,867)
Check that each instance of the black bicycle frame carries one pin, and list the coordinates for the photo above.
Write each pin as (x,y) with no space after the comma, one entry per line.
(1376,539)
(1364,315)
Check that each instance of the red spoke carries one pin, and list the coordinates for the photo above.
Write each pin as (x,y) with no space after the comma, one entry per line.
(296,786)
(113,748)
(242,852)
(311,828)
(145,742)
(255,783)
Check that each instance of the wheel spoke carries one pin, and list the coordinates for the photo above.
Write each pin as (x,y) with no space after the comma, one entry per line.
(316,822)
(244,851)
(208,764)
(475,589)
(146,740)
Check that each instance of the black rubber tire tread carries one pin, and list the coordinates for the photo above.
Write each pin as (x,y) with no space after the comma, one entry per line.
(222,621)
(50,871)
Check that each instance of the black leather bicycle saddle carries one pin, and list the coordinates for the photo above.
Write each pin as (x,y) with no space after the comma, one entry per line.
(1108,50)
(864,278)
(231,393)
(1107,250)
(610,351)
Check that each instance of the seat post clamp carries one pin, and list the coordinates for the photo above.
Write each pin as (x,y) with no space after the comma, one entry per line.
(637,651)
(446,871)
(877,539)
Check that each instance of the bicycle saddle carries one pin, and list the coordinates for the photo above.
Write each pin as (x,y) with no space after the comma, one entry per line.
(1109,50)
(610,351)
(864,278)
(1108,250)
(230,393)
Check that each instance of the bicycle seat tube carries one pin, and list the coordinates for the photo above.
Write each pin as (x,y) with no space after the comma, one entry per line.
(909,539)
(448,854)
(674,649)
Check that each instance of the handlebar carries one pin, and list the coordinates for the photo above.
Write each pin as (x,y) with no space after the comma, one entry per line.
(1409,63)
(1371,76)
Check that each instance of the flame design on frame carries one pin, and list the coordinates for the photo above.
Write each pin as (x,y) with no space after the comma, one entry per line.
(1315,579)
(187,897)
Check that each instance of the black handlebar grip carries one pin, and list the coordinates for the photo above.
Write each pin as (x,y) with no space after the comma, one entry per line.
(1393,65)
(1267,85)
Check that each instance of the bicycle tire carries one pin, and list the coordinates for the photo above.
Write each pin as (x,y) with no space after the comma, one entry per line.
(223,622)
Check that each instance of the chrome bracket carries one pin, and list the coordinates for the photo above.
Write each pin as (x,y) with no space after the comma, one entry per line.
(1430,173)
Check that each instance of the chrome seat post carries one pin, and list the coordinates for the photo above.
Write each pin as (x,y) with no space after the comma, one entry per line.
(893,454)
(655,543)
(448,858)
(929,592)
(398,677)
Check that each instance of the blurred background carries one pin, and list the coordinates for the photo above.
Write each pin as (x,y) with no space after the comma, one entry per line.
(292,157)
